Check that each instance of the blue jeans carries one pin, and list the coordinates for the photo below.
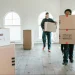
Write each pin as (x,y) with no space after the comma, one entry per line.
(48,34)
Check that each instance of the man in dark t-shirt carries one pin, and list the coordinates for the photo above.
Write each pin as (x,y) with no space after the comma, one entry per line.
(45,33)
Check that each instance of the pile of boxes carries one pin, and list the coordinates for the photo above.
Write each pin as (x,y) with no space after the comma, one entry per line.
(67,29)
(7,53)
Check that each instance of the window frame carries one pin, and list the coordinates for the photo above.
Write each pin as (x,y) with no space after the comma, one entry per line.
(4,18)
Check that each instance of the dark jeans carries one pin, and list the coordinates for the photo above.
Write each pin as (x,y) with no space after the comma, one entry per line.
(66,53)
(71,48)
(48,34)
(62,47)
(67,49)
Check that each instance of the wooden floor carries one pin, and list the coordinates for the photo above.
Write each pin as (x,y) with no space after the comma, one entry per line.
(38,62)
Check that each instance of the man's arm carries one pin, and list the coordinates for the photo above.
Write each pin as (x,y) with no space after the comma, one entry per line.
(53,21)
(42,24)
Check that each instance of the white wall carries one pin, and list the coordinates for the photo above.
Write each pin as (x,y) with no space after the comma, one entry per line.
(29,10)
(67,4)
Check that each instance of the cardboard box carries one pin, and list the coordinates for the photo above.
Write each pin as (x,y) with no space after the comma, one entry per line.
(50,27)
(27,39)
(67,22)
(7,67)
(4,37)
(66,36)
(27,47)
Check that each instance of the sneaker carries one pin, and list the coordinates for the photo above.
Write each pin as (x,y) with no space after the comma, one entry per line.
(65,63)
(71,61)
(49,51)
(43,48)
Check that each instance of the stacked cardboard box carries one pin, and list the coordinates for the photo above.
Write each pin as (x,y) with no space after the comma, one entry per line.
(67,29)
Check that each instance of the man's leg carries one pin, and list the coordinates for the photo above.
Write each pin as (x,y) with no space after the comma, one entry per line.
(44,39)
(62,48)
(66,52)
(49,40)
(71,47)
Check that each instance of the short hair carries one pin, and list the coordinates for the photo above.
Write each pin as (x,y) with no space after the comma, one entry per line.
(68,10)
(47,13)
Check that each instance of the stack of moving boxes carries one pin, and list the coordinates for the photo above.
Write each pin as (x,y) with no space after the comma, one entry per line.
(67,29)
(7,53)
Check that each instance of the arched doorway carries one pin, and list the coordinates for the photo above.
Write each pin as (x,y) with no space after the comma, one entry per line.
(40,18)
(12,21)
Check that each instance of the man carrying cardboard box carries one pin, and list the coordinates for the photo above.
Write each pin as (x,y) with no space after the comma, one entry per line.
(46,33)
(67,49)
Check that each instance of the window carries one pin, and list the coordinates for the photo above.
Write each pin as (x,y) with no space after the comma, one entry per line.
(12,21)
(73,12)
(41,17)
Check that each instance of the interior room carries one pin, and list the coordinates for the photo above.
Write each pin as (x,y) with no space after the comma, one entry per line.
(23,18)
